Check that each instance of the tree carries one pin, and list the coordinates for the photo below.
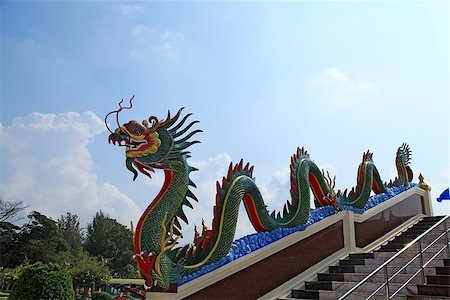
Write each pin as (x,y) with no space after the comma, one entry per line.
(85,270)
(10,276)
(9,210)
(69,226)
(113,242)
(42,238)
(9,241)
(43,281)
(38,240)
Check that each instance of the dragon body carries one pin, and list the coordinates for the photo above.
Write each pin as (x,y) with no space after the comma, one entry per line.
(163,145)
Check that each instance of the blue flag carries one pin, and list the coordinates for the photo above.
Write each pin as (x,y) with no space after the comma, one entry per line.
(444,196)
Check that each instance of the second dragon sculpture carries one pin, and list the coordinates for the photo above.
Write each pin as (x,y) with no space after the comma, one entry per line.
(163,144)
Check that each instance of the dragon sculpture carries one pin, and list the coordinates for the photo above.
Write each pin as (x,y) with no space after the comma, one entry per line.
(163,144)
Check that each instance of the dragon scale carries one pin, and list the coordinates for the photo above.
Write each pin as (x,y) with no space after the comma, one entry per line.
(163,145)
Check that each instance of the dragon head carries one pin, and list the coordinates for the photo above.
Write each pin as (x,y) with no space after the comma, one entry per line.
(139,140)
(151,144)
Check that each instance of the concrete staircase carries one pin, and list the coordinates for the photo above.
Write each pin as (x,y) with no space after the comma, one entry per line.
(342,277)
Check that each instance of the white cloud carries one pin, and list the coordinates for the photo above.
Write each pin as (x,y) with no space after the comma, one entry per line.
(276,191)
(343,90)
(150,41)
(129,9)
(46,164)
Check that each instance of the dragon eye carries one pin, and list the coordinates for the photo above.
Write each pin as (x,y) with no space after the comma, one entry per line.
(137,129)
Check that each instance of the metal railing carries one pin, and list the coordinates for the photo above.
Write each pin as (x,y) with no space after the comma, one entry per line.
(384,266)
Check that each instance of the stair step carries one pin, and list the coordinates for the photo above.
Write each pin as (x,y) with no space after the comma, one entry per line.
(370,269)
(379,278)
(397,242)
(361,255)
(438,279)
(319,285)
(442,270)
(403,239)
(333,295)
(330,277)
(423,227)
(407,253)
(337,289)
(408,233)
(396,245)
(380,255)
(433,221)
(433,234)
(371,286)
(388,250)
(433,217)
(341,269)
(351,262)
(415,247)
(428,223)
(433,290)
(400,262)
(418,229)
(305,294)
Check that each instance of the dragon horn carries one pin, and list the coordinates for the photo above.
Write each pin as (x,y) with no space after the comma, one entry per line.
(117,113)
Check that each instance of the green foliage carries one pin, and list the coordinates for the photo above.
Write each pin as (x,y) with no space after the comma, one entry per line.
(69,225)
(101,296)
(86,271)
(112,242)
(9,241)
(11,275)
(4,296)
(43,281)
(39,240)
(43,238)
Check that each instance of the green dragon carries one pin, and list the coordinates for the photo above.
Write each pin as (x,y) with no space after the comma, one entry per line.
(163,145)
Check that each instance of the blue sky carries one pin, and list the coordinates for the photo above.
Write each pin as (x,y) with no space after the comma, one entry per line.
(262,77)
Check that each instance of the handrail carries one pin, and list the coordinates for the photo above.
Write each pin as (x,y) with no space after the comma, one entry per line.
(384,265)
(422,264)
